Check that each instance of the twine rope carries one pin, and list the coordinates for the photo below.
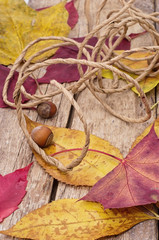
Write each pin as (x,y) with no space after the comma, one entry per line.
(101,57)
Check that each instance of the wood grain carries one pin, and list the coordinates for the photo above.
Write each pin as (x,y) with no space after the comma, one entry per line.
(15,152)
(104,125)
(19,154)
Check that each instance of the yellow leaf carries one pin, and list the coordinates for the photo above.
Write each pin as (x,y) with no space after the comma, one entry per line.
(68,219)
(20,25)
(106,73)
(137,64)
(92,168)
(148,83)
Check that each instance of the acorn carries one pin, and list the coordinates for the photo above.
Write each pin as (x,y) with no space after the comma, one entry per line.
(46,109)
(42,135)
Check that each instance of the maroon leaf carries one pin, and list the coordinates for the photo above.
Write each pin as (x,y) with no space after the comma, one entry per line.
(29,85)
(134,35)
(135,181)
(69,72)
(12,191)
(73,14)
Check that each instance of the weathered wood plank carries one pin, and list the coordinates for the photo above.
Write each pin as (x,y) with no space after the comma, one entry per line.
(16,153)
(104,125)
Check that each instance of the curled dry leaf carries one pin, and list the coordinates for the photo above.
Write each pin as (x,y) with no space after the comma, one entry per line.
(92,168)
(71,219)
(134,181)
(20,25)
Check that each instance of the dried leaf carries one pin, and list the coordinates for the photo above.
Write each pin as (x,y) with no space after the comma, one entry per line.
(29,85)
(134,181)
(68,219)
(12,191)
(148,83)
(20,25)
(93,167)
(73,14)
(69,72)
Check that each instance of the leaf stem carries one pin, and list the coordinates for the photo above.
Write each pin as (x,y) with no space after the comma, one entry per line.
(90,150)
(155,105)
(153,212)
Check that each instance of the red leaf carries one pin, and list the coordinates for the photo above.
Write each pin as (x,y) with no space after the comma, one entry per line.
(134,35)
(73,14)
(29,85)
(135,181)
(12,191)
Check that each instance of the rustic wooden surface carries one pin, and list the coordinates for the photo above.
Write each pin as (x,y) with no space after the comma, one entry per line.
(15,152)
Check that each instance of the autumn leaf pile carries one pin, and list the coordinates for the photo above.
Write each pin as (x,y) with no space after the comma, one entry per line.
(123,189)
(121,186)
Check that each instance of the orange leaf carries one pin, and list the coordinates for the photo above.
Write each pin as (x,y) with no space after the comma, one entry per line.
(71,219)
(92,168)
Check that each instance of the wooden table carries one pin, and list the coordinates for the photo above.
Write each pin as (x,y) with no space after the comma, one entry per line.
(15,152)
